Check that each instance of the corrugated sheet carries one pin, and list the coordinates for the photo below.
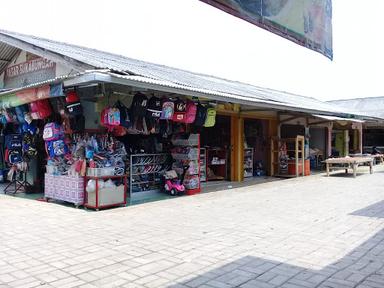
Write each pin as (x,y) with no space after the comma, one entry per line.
(7,53)
(370,106)
(100,59)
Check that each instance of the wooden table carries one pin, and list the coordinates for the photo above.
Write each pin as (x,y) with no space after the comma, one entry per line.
(349,162)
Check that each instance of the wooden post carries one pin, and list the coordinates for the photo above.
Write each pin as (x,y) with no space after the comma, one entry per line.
(329,140)
(346,142)
(237,148)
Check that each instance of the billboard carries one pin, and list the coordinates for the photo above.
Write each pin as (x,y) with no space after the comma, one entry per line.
(305,22)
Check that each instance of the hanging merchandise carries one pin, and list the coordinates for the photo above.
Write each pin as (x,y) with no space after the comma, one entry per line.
(13,148)
(72,97)
(40,109)
(29,145)
(73,104)
(53,131)
(139,105)
(190,114)
(167,110)
(180,111)
(56,148)
(110,117)
(20,112)
(211,117)
(201,115)
(154,107)
(10,115)
(165,128)
(125,119)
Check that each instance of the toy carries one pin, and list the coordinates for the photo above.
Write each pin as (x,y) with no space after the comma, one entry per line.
(173,185)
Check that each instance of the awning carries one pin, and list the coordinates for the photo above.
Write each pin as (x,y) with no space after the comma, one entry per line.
(335,118)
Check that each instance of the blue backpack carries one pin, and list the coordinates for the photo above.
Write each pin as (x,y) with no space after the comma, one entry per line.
(56,148)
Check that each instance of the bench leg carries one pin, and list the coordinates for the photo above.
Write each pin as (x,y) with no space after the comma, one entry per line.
(370,167)
(354,170)
(327,169)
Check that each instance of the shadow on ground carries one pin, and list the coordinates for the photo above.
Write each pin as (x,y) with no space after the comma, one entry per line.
(362,268)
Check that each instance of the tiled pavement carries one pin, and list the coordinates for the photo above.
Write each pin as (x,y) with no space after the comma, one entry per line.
(311,232)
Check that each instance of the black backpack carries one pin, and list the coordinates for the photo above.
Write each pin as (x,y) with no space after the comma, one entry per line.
(155,107)
(201,115)
(139,105)
(125,119)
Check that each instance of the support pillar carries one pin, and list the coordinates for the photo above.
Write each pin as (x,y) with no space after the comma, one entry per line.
(237,148)
(329,140)
(346,142)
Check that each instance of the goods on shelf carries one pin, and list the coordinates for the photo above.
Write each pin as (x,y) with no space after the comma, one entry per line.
(186,151)
(146,172)
(248,162)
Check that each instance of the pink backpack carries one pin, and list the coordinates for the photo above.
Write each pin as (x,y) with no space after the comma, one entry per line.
(110,117)
(190,114)
(52,131)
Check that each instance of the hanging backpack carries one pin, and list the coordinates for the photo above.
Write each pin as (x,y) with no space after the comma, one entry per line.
(211,117)
(201,115)
(40,109)
(125,119)
(154,107)
(74,109)
(190,114)
(53,131)
(167,110)
(71,97)
(29,145)
(180,111)
(13,151)
(56,148)
(20,111)
(10,115)
(13,156)
(13,141)
(139,105)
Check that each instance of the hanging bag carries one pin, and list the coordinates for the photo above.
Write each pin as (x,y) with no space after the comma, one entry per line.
(168,108)
(190,114)
(52,131)
(180,111)
(201,115)
(211,117)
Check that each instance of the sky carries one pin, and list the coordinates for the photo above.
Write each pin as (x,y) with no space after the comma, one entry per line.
(192,35)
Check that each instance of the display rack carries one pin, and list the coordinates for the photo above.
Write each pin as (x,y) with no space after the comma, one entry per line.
(216,164)
(203,164)
(106,197)
(248,162)
(287,152)
(186,151)
(145,175)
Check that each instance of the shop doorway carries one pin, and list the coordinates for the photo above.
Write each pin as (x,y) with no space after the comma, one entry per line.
(255,147)
(215,143)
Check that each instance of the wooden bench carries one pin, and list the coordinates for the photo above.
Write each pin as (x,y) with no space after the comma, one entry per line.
(349,163)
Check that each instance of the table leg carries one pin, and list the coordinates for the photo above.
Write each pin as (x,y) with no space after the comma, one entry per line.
(370,167)
(327,169)
(354,170)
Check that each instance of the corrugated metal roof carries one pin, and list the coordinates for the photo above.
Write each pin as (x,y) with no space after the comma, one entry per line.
(370,106)
(7,53)
(335,118)
(118,63)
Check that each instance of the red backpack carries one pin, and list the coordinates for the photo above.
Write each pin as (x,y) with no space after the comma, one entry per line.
(190,114)
(40,109)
